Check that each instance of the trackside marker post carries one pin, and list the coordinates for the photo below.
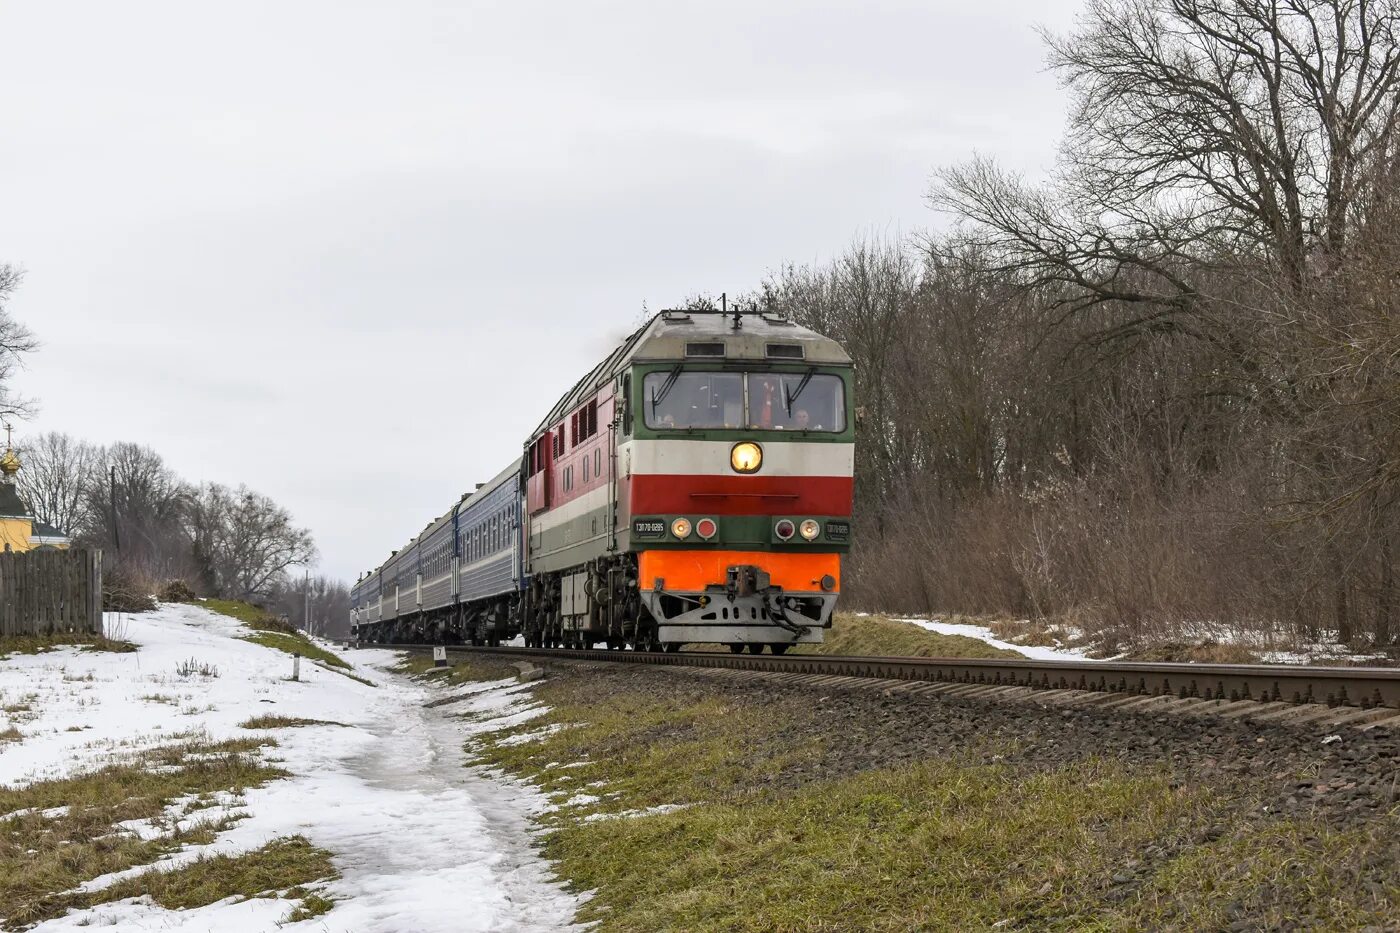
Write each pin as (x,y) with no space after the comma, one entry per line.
(296,666)
(439,656)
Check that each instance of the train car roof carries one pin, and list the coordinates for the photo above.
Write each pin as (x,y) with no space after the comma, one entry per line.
(672,335)
(462,504)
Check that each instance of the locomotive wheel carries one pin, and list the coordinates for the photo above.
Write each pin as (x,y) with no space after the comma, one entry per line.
(779,649)
(736,648)
(755,649)
(671,647)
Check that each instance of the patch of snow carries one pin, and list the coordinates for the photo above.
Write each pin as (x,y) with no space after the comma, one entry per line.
(633,814)
(422,841)
(984,634)
(534,735)
(581,800)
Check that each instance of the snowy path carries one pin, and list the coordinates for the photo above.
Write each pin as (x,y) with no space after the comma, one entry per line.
(422,842)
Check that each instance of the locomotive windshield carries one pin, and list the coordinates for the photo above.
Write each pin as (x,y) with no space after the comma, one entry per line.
(754,401)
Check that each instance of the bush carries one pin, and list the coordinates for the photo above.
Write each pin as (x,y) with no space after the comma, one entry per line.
(176,591)
(123,592)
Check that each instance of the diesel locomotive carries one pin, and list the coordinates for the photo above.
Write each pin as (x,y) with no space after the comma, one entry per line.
(694,487)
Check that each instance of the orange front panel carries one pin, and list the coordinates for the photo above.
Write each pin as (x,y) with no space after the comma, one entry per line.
(685,571)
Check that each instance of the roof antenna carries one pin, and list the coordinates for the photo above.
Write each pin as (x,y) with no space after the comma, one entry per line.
(724,309)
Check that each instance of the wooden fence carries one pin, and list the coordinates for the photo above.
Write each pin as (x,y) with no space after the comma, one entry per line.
(51,592)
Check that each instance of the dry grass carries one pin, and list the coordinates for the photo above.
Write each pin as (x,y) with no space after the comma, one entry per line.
(283,722)
(63,832)
(38,644)
(462,670)
(281,864)
(1203,652)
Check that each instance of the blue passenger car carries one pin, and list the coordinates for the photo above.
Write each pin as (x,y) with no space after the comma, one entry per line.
(459,580)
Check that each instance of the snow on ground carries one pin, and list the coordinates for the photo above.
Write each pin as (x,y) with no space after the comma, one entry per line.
(1327,649)
(982,633)
(423,842)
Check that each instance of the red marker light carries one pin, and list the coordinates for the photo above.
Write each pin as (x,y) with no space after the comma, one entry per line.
(784,529)
(706,528)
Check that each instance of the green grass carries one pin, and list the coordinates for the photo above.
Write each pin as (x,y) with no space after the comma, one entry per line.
(38,644)
(271,632)
(881,636)
(775,835)
(283,722)
(937,845)
(255,617)
(41,857)
(297,644)
(652,753)
(1289,870)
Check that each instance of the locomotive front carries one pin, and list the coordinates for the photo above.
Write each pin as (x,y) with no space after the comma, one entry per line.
(737,479)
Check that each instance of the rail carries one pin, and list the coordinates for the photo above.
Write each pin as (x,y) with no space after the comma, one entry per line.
(1357,687)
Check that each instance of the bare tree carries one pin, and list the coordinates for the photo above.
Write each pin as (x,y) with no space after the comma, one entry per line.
(134,508)
(329,603)
(248,540)
(56,474)
(1204,133)
(15,342)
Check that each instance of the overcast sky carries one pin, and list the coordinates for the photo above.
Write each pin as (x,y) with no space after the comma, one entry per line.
(349,253)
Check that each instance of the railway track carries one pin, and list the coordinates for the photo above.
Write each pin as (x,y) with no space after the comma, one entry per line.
(1335,695)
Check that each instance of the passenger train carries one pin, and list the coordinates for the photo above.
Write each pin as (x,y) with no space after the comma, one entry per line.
(695,487)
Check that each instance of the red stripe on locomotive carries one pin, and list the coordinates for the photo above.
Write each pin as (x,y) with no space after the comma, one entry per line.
(740,495)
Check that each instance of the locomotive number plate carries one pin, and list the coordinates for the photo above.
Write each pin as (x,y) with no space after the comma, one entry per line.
(838,531)
(648,528)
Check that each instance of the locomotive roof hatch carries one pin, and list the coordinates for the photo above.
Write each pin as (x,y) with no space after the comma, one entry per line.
(671,335)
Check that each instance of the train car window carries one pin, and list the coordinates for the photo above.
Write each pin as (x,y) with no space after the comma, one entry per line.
(625,383)
(797,402)
(678,400)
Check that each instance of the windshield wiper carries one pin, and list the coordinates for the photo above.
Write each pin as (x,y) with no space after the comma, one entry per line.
(788,400)
(658,397)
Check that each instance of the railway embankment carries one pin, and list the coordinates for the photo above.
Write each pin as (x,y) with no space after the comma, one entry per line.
(687,800)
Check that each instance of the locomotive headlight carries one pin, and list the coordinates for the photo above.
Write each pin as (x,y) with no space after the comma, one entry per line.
(809,529)
(681,528)
(746,457)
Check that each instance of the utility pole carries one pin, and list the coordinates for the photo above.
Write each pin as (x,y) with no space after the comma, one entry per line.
(306,616)
(112,489)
